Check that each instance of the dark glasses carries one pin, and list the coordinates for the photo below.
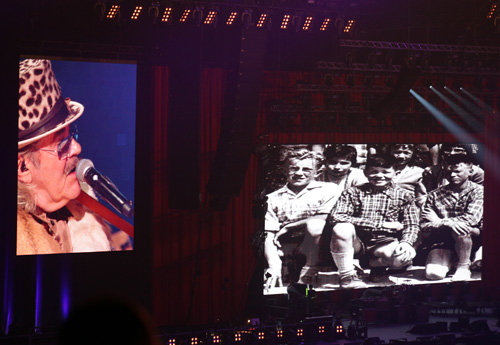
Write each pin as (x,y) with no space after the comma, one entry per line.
(64,146)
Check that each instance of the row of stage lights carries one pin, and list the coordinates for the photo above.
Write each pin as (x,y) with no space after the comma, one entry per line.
(296,334)
(196,14)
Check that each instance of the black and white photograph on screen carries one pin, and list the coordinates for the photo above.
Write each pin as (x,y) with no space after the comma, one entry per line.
(67,115)
(342,216)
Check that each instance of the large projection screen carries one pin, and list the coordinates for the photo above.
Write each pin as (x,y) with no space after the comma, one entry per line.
(106,135)
(304,183)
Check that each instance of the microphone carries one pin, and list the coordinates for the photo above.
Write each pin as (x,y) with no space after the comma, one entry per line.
(85,172)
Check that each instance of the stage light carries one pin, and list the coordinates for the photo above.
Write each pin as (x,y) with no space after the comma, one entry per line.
(279,333)
(136,13)
(167,15)
(349,26)
(211,17)
(492,11)
(171,341)
(231,18)
(321,329)
(237,337)
(300,332)
(194,341)
(261,335)
(325,24)
(307,24)
(216,339)
(113,12)
(185,15)
(338,328)
(285,22)
(262,19)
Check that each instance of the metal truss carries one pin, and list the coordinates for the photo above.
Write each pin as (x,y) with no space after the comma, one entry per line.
(444,48)
(382,68)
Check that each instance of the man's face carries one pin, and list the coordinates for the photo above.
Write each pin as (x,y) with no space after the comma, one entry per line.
(379,177)
(301,172)
(55,179)
(338,166)
(459,173)
(402,154)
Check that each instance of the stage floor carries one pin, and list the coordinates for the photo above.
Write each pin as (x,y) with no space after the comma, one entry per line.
(415,275)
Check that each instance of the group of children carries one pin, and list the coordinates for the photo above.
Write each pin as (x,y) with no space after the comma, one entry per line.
(383,213)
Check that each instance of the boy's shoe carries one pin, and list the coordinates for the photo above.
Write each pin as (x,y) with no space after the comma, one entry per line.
(351,281)
(462,273)
(380,275)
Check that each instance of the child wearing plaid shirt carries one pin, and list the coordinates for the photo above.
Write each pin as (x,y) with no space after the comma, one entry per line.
(378,219)
(452,219)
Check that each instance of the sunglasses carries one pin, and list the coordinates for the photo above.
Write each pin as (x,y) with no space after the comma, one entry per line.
(64,146)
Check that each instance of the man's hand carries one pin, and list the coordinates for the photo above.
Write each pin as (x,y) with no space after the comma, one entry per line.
(283,230)
(405,251)
(272,278)
(460,228)
(392,225)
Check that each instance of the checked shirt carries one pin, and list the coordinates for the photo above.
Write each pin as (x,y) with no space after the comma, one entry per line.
(467,206)
(367,209)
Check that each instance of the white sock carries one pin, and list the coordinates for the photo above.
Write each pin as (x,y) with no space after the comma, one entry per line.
(344,262)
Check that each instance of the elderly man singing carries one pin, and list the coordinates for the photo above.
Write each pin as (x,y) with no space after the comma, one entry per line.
(49,219)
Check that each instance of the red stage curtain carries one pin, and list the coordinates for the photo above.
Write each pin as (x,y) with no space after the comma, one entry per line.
(203,259)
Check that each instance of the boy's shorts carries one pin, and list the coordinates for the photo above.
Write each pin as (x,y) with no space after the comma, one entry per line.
(371,240)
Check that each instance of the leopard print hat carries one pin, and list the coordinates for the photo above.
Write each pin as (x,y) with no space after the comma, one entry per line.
(42,109)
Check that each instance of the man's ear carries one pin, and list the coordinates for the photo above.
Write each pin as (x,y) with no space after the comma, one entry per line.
(23,173)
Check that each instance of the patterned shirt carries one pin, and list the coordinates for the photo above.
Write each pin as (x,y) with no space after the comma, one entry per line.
(367,209)
(285,207)
(466,206)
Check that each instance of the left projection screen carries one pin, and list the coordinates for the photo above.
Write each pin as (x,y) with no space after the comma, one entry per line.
(57,212)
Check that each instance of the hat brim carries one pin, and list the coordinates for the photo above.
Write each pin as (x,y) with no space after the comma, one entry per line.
(75,111)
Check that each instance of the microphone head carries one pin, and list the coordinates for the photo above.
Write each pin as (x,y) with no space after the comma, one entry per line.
(82,167)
